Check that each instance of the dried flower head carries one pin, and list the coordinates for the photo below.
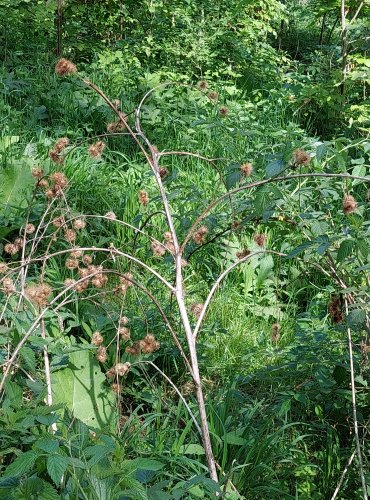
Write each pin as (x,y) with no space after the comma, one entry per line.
(300,157)
(30,228)
(59,180)
(213,96)
(246,169)
(65,67)
(99,280)
(87,260)
(122,369)
(125,282)
(184,262)
(37,172)
(124,333)
(196,310)
(97,339)
(43,184)
(79,224)
(149,344)
(123,320)
(56,157)
(223,111)
(3,268)
(243,253)
(202,85)
(110,216)
(260,239)
(18,242)
(96,149)
(38,293)
(69,282)
(71,263)
(116,388)
(349,204)
(134,350)
(101,354)
(76,253)
(81,286)
(158,249)
(117,126)
(11,248)
(70,235)
(335,309)
(7,285)
(275,332)
(200,234)
(58,221)
(143,197)
(61,144)
(163,172)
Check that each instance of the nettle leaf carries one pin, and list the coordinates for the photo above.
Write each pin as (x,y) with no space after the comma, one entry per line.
(56,466)
(150,464)
(81,388)
(29,358)
(274,168)
(35,487)
(14,393)
(299,249)
(21,464)
(345,249)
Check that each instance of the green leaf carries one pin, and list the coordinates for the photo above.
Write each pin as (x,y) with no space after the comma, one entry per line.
(13,182)
(235,439)
(56,466)
(14,392)
(191,449)
(29,358)
(48,445)
(274,168)
(21,464)
(81,388)
(299,249)
(345,249)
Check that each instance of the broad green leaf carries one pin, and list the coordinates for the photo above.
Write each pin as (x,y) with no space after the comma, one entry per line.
(56,466)
(81,388)
(191,449)
(14,181)
(235,439)
(345,249)
(21,464)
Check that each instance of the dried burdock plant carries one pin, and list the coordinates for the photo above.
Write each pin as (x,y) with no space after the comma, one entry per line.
(92,277)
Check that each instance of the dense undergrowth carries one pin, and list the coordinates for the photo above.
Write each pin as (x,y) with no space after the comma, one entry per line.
(258,88)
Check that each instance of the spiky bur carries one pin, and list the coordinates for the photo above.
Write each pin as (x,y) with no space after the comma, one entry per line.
(125,282)
(110,216)
(196,309)
(146,345)
(143,197)
(95,150)
(37,172)
(223,111)
(7,285)
(243,253)
(4,268)
(79,224)
(101,354)
(335,310)
(158,249)
(30,228)
(349,204)
(213,96)
(246,169)
(202,85)
(117,126)
(168,242)
(275,332)
(57,150)
(260,239)
(59,182)
(300,157)
(199,237)
(97,339)
(65,67)
(163,172)
(119,370)
(38,294)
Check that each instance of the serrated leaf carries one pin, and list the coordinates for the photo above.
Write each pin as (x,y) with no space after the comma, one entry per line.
(345,249)
(21,464)
(14,393)
(48,445)
(81,388)
(56,466)
(299,249)
(29,358)
(35,487)
(274,168)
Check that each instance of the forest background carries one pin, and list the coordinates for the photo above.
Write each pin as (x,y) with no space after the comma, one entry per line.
(261,105)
